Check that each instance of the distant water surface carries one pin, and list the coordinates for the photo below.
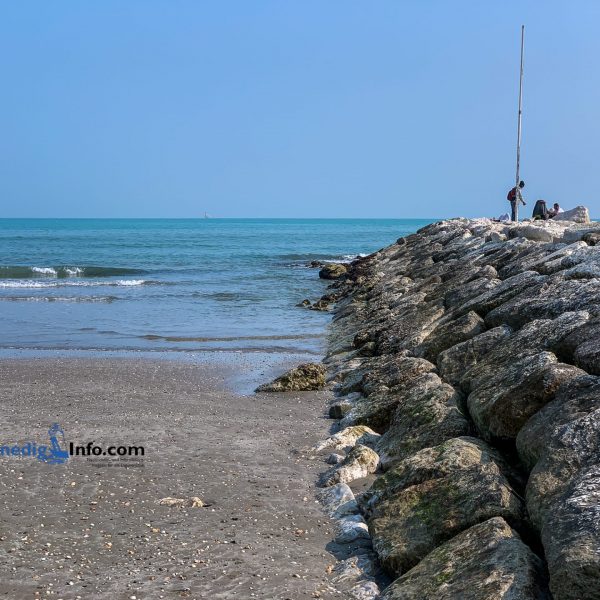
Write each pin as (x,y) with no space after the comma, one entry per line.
(173,284)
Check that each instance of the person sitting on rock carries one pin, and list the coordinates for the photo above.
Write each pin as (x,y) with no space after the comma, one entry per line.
(514,196)
(555,210)
(540,212)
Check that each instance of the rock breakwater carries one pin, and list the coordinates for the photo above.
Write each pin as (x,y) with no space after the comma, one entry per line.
(469,353)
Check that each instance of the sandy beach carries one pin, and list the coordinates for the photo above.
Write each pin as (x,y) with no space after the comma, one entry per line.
(86,529)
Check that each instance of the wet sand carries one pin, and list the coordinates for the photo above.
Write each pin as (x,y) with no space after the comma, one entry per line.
(87,530)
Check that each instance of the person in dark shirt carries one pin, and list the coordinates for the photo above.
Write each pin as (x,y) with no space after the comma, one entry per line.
(514,196)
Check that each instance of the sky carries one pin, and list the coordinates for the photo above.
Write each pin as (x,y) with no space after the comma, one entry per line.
(385,109)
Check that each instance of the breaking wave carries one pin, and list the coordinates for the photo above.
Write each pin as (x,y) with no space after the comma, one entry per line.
(19,284)
(64,271)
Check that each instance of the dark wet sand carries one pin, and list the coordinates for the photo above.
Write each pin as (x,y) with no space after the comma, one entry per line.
(80,530)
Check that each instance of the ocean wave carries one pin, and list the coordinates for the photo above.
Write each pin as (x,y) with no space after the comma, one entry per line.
(64,271)
(20,284)
(67,299)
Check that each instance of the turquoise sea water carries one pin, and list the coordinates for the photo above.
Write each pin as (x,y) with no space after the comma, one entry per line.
(173,284)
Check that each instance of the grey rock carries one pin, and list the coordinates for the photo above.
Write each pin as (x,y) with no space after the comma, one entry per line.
(486,562)
(338,500)
(454,362)
(358,463)
(350,529)
(547,302)
(333,271)
(449,334)
(334,459)
(410,522)
(571,538)
(427,415)
(501,406)
(305,377)
(573,400)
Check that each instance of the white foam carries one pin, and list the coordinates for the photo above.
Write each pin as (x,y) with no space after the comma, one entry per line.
(44,270)
(19,283)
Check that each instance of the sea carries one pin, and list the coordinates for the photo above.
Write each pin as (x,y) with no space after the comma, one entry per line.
(173,285)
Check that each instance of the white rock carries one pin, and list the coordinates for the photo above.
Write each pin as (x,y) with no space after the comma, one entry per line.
(338,500)
(365,590)
(348,438)
(357,568)
(360,462)
(579,214)
(351,529)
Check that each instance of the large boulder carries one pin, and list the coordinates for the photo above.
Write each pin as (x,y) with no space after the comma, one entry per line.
(579,214)
(571,538)
(376,410)
(444,460)
(333,271)
(583,347)
(305,377)
(486,562)
(427,415)
(454,362)
(574,399)
(449,334)
(502,405)
(412,521)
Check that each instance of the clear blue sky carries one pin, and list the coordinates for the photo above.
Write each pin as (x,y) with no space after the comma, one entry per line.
(294,109)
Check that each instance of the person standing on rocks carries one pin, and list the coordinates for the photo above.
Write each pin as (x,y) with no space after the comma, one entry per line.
(515,196)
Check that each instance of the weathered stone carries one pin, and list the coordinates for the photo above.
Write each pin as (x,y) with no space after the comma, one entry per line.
(502,405)
(486,562)
(408,524)
(338,500)
(570,448)
(571,538)
(528,282)
(351,529)
(547,303)
(376,410)
(535,337)
(592,238)
(583,347)
(356,568)
(455,456)
(523,381)
(360,462)
(579,214)
(427,415)
(451,333)
(455,361)
(536,232)
(333,271)
(348,438)
(305,377)
(472,289)
(364,590)
(573,400)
